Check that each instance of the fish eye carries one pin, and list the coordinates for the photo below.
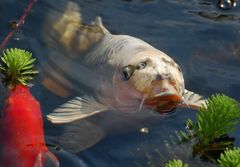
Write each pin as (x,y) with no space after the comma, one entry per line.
(141,65)
(127,72)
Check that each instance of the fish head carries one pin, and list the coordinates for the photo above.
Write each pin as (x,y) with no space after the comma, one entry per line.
(156,78)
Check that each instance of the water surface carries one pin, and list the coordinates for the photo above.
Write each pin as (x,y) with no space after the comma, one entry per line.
(202,38)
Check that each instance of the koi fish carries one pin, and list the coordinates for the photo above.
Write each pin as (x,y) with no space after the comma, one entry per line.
(126,73)
(21,131)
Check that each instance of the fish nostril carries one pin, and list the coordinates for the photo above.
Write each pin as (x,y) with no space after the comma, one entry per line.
(159,77)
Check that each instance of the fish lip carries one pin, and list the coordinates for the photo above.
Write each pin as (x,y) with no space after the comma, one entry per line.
(164,97)
(162,94)
(158,91)
(165,111)
(167,94)
(164,102)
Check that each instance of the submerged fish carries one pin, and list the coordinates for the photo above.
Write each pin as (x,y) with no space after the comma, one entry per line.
(130,73)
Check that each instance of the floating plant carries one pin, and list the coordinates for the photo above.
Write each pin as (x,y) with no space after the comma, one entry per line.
(215,120)
(207,140)
(22,135)
(230,158)
(176,163)
(17,67)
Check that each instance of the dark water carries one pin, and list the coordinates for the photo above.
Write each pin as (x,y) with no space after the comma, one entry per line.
(202,38)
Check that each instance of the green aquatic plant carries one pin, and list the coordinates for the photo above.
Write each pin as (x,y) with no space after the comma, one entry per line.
(176,163)
(215,120)
(17,67)
(230,158)
(207,138)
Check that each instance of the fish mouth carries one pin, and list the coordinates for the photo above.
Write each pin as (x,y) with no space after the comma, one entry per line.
(163,102)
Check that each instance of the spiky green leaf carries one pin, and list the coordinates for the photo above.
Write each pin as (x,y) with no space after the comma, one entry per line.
(220,116)
(230,158)
(17,67)
(176,163)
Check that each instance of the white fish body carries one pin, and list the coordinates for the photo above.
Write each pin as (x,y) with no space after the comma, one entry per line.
(136,75)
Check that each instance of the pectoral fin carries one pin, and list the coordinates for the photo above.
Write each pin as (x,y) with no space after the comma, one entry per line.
(73,140)
(75,109)
(192,100)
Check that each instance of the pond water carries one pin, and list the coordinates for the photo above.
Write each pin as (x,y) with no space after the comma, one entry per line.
(202,38)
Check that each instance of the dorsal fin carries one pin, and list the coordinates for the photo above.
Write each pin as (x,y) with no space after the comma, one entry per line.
(68,30)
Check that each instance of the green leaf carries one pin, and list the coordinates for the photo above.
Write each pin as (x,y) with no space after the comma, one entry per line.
(230,158)
(215,120)
(17,67)
(176,163)
(219,117)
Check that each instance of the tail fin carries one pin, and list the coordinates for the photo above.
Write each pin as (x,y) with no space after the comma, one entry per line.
(75,109)
(68,30)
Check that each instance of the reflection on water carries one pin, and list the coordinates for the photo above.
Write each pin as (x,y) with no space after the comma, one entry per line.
(207,48)
(217,16)
(220,65)
(227,4)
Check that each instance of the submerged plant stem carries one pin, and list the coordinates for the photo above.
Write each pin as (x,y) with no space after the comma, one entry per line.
(19,23)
